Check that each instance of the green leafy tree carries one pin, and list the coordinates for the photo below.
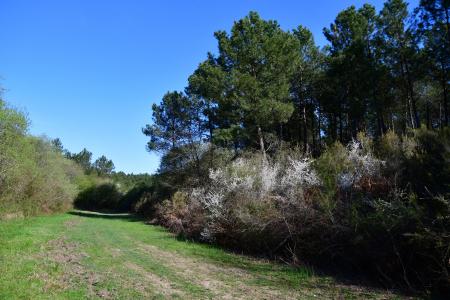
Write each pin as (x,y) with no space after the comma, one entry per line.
(259,60)
(13,128)
(207,83)
(177,130)
(304,124)
(83,159)
(57,144)
(400,51)
(350,59)
(103,165)
(170,123)
(433,29)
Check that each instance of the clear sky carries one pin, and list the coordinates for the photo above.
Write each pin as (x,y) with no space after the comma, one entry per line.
(88,71)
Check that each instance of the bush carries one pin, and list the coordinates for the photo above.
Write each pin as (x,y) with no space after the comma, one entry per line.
(102,197)
(378,207)
(240,204)
(34,177)
(132,197)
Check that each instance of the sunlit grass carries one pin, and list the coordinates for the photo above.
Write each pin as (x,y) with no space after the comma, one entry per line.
(109,244)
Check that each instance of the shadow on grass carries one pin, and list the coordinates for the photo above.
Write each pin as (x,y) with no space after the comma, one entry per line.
(106,215)
(307,275)
(270,269)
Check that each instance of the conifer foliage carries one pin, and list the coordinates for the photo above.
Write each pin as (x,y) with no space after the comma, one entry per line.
(337,155)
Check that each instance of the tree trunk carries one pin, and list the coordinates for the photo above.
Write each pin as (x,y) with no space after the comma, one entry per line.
(313,132)
(334,129)
(392,121)
(340,125)
(281,132)
(410,106)
(380,126)
(414,114)
(319,137)
(305,131)
(445,100)
(261,143)
(210,125)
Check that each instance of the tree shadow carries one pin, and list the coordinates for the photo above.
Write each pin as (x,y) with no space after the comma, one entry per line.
(250,261)
(327,276)
(107,215)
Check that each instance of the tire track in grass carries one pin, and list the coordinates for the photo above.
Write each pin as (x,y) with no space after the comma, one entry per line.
(112,251)
(68,256)
(161,285)
(142,260)
(223,282)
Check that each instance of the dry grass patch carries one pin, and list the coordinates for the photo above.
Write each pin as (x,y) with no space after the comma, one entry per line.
(158,284)
(67,257)
(221,281)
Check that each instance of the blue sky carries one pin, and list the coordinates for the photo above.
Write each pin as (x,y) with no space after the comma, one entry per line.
(88,71)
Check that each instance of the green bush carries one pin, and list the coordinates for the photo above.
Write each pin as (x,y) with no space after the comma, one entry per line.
(132,197)
(34,177)
(100,197)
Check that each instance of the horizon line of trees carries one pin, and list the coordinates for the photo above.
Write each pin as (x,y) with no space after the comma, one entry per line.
(105,189)
(102,165)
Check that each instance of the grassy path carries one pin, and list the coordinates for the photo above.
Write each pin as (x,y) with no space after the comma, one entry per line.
(87,255)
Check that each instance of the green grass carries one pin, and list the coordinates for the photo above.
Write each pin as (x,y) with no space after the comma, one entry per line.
(83,255)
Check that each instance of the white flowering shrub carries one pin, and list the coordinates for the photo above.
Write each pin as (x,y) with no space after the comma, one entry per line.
(361,164)
(302,209)
(268,177)
(212,201)
(298,174)
(251,181)
(249,194)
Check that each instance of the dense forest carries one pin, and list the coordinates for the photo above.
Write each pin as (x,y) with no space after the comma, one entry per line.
(380,72)
(336,156)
